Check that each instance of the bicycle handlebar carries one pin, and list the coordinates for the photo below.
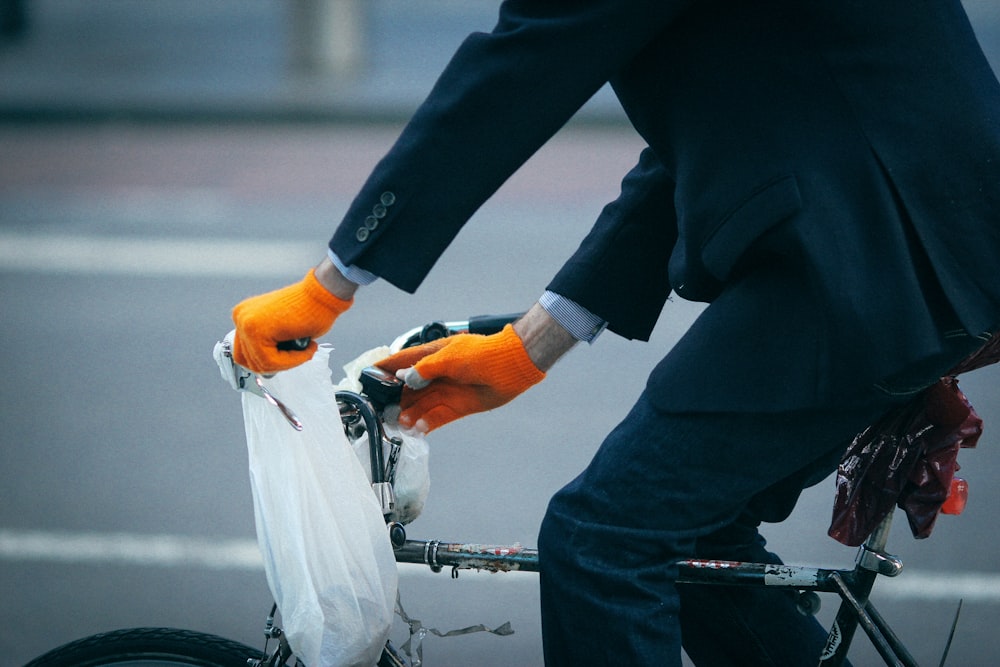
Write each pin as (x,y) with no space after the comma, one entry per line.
(491,324)
(479,324)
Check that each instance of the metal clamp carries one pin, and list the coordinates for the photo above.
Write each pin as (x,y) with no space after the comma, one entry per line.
(881,563)
(386,497)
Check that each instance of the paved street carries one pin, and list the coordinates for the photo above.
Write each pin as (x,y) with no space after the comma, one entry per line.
(124,242)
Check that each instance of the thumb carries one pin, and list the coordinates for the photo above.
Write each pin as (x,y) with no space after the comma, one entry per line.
(411,355)
(412,378)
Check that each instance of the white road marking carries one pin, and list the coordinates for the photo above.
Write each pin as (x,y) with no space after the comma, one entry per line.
(941,586)
(129,548)
(93,548)
(151,256)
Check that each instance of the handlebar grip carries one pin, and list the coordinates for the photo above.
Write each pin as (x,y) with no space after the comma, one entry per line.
(296,345)
(491,324)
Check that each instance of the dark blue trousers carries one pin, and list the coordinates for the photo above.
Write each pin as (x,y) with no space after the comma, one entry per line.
(667,486)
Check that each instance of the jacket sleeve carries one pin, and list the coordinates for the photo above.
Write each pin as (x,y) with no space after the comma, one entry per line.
(619,272)
(502,96)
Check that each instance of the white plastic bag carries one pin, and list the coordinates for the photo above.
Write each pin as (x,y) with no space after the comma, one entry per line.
(327,555)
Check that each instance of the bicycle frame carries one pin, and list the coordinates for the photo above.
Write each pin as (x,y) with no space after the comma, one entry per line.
(853,586)
(362,413)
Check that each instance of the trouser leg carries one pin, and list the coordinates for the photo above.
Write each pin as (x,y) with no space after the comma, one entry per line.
(744,626)
(661,484)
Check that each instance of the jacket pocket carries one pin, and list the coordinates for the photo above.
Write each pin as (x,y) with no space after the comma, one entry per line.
(765,208)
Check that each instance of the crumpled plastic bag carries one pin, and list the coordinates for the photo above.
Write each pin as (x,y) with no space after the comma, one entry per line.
(326,550)
(908,458)
(412,481)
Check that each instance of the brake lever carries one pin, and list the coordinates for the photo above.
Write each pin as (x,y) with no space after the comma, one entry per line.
(241,378)
(259,389)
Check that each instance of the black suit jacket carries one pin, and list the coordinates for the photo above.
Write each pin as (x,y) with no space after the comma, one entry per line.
(822,172)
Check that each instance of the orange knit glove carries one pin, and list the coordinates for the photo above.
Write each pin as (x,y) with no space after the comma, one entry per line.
(456,376)
(303,310)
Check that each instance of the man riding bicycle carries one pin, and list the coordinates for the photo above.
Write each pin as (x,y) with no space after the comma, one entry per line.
(826,175)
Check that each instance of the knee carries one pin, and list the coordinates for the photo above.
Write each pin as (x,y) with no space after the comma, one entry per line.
(552,531)
(557,533)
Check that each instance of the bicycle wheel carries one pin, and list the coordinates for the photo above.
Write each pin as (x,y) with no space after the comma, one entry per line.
(149,647)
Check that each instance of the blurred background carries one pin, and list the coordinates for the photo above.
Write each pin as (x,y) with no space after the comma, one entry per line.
(367,60)
(160,161)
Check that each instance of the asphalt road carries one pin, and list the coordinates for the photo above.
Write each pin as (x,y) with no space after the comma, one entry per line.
(123,469)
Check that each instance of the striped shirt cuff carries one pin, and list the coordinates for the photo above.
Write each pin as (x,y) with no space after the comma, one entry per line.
(577,320)
(355,274)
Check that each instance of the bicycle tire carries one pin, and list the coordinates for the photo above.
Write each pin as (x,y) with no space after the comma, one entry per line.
(149,647)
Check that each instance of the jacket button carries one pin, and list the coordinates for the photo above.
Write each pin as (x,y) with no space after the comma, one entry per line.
(371,222)
(362,234)
(387,198)
(379,211)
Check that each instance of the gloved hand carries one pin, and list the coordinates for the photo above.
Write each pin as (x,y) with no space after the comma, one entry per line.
(303,310)
(456,376)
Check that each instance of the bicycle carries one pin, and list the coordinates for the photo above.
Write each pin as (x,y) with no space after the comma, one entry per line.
(362,416)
